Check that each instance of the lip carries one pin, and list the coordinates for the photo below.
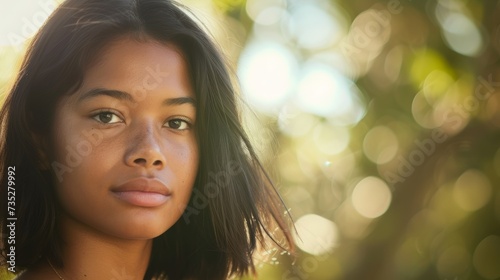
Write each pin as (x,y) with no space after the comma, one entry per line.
(142,192)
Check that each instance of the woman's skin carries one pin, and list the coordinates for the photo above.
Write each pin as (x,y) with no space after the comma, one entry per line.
(142,127)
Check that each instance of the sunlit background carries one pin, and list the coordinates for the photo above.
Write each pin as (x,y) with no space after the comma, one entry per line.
(378,120)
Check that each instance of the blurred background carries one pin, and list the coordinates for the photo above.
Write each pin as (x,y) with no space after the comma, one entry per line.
(378,120)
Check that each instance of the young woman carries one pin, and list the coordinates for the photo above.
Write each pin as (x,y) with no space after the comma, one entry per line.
(122,153)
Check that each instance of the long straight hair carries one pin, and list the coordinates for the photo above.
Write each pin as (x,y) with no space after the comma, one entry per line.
(234,204)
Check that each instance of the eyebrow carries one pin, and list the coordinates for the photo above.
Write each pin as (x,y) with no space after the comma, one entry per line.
(125,96)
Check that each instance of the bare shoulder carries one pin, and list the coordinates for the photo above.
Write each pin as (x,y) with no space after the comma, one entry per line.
(20,276)
(25,275)
(35,274)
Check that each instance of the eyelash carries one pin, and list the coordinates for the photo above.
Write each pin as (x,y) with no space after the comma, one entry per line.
(107,112)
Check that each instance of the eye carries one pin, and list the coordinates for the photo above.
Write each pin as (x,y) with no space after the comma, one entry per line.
(178,124)
(106,117)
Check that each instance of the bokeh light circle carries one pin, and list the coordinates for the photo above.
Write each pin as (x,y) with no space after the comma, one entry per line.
(371,197)
(267,72)
(472,190)
(315,235)
(380,144)
(486,258)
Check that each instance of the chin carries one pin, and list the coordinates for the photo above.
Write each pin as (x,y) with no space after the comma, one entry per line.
(141,233)
(139,228)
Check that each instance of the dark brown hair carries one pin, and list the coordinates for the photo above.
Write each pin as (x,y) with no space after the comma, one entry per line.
(233,203)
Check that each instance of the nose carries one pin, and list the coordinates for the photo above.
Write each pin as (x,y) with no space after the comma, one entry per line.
(145,149)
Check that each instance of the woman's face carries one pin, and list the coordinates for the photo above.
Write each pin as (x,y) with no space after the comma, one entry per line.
(125,153)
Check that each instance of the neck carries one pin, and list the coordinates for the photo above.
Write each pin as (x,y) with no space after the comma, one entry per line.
(88,254)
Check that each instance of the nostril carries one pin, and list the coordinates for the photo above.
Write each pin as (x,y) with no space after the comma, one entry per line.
(140,161)
(144,162)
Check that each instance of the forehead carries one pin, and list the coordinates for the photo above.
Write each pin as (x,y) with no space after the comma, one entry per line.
(127,64)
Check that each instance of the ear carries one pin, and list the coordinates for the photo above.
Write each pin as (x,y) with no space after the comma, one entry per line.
(41,147)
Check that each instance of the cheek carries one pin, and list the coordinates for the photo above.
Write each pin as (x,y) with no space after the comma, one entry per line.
(184,164)
(84,176)
(79,154)
(82,159)
(181,149)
